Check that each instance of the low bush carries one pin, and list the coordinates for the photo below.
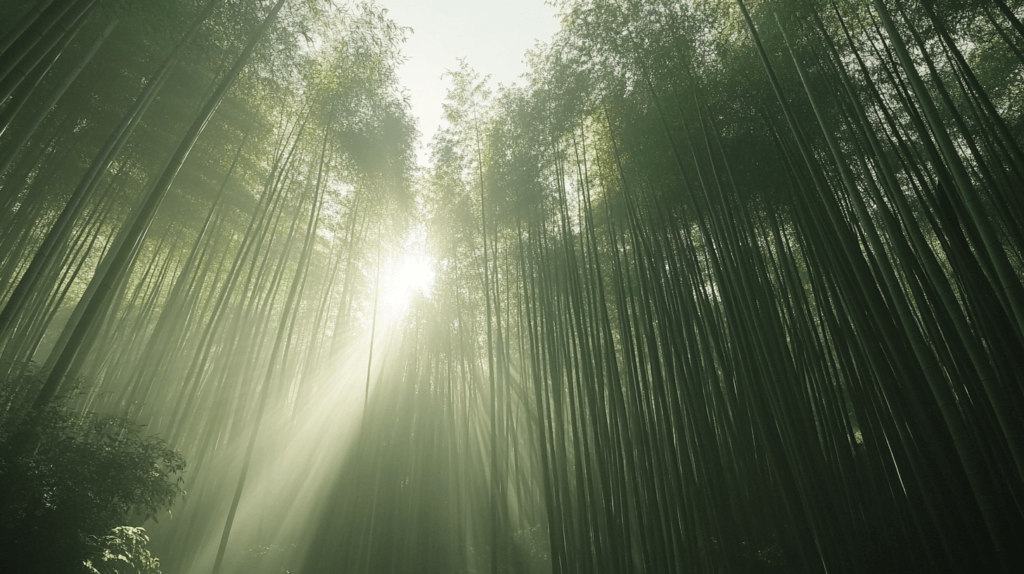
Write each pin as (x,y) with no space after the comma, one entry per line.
(69,482)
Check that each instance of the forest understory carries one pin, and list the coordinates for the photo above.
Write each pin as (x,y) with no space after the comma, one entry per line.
(719,286)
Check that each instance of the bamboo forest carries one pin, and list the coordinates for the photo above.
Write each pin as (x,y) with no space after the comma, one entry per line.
(716,286)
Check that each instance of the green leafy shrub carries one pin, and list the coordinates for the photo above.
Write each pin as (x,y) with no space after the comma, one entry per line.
(123,551)
(69,480)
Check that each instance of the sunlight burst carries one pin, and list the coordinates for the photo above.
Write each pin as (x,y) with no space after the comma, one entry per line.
(404,277)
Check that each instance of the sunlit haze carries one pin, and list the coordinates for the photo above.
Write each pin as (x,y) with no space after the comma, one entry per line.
(492,35)
(404,276)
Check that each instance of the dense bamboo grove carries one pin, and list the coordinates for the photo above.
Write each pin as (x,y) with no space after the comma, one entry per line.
(723,286)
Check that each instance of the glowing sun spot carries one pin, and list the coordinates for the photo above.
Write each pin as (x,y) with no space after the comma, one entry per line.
(408,275)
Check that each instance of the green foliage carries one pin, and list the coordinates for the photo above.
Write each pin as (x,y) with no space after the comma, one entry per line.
(124,551)
(68,480)
(268,558)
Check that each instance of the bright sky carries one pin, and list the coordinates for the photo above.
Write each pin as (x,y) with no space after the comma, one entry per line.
(493,35)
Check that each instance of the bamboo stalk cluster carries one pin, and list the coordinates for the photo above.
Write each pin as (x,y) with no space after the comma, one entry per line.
(185,216)
(760,271)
